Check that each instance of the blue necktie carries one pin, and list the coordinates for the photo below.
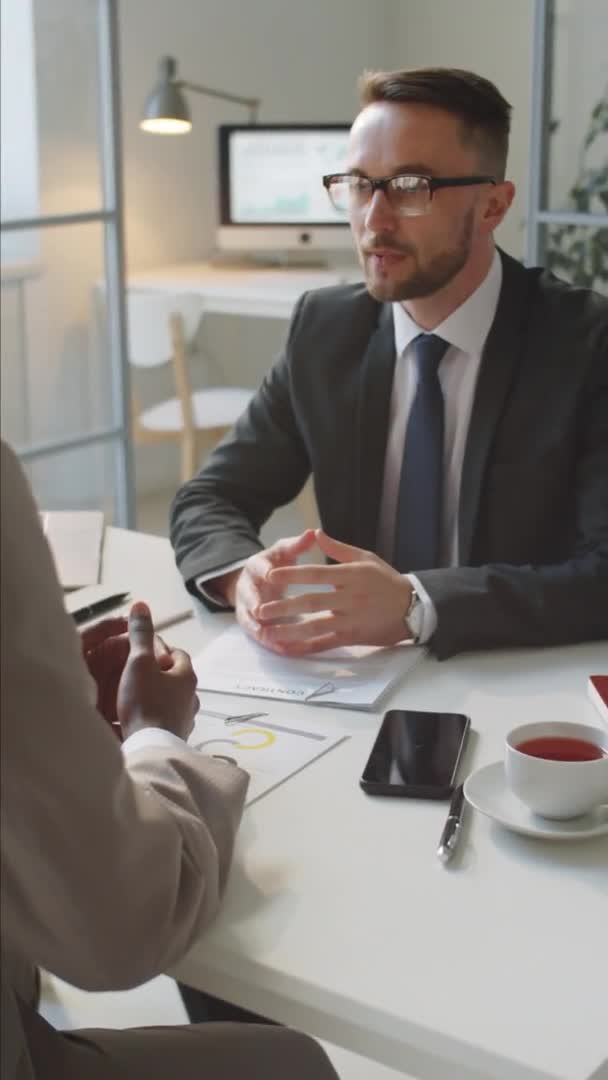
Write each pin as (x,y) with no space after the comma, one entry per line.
(418,524)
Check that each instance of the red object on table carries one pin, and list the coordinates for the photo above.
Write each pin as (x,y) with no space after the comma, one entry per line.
(597,688)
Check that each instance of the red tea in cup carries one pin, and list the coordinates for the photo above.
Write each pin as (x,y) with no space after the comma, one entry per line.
(561,748)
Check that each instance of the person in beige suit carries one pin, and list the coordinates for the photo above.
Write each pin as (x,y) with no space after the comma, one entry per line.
(113,860)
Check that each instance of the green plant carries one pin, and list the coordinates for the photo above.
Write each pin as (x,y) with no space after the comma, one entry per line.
(580,252)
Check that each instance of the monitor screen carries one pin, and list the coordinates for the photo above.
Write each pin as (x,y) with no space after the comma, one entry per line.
(272,174)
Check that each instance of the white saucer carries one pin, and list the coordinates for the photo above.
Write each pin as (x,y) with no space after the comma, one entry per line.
(486,789)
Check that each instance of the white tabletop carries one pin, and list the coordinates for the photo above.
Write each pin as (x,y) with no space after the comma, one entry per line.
(340,920)
(262,292)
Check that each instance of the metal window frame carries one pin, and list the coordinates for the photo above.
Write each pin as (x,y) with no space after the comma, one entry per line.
(542,81)
(111,216)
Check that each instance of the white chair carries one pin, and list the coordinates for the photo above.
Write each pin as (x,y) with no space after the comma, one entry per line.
(161,330)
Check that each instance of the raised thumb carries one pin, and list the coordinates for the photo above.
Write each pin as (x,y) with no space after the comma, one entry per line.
(141,630)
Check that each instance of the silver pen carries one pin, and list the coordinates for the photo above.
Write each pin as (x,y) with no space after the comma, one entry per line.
(453,826)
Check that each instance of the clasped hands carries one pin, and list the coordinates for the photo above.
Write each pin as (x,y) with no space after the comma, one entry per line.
(363,601)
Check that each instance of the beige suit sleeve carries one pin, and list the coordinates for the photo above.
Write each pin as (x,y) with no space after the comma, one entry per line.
(110,870)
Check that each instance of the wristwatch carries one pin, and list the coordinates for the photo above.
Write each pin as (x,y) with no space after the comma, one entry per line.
(413,616)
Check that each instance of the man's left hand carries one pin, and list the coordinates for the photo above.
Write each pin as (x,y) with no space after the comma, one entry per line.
(365,604)
(105,648)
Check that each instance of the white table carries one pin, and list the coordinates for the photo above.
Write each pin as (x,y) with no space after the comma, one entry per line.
(261,292)
(339,919)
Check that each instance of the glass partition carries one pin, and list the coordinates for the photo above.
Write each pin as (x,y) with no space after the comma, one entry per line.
(64,369)
(568,211)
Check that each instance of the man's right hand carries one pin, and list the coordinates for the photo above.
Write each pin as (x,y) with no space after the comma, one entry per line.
(152,693)
(248,588)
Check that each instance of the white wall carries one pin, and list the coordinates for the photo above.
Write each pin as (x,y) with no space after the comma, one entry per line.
(494,39)
(302,60)
(19,155)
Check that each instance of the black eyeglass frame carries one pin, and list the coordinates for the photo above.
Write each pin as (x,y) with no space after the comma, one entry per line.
(435,182)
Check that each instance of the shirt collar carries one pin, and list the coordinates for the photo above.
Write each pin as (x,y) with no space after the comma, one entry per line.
(468,326)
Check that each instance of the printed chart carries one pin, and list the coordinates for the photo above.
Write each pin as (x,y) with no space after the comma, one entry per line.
(269,752)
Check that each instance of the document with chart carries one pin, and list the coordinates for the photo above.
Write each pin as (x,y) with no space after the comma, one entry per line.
(269,752)
(356,677)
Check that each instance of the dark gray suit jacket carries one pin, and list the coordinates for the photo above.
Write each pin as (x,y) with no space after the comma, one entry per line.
(533,520)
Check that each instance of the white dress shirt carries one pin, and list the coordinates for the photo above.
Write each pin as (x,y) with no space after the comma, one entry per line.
(466,330)
(151,736)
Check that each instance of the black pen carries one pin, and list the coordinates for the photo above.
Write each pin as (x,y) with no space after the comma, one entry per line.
(453,826)
(91,611)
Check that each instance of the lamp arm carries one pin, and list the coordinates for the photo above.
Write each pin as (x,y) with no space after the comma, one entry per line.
(252,103)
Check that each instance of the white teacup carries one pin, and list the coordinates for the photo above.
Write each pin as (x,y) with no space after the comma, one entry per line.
(552,787)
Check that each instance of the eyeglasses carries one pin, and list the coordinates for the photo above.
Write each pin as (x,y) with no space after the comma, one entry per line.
(407,195)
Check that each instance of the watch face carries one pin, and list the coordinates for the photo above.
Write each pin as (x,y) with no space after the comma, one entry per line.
(413,618)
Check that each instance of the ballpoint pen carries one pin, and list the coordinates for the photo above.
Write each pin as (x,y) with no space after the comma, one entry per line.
(230,718)
(453,826)
(91,611)
(319,691)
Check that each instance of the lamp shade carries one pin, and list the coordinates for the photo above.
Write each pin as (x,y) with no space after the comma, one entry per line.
(166,110)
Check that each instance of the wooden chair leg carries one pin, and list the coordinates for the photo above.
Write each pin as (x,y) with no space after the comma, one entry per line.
(188,465)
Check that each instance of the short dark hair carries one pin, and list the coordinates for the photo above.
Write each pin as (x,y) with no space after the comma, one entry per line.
(485,114)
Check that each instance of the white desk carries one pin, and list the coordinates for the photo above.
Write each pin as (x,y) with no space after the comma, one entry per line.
(339,919)
(259,291)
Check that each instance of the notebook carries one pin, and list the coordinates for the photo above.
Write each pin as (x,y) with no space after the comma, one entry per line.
(356,677)
(138,564)
(75,538)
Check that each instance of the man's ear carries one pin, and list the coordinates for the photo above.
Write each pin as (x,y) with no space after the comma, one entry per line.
(499,199)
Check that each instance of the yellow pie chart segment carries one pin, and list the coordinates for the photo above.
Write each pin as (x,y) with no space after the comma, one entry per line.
(255,738)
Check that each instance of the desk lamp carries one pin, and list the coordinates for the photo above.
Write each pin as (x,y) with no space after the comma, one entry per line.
(166,110)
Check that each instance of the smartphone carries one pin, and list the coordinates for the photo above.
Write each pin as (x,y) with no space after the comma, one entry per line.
(416,754)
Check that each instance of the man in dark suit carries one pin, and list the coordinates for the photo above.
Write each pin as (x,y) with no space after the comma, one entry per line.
(453,412)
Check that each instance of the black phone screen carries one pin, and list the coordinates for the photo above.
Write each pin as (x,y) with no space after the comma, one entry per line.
(416,753)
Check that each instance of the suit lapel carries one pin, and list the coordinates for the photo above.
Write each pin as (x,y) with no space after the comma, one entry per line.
(378,365)
(499,361)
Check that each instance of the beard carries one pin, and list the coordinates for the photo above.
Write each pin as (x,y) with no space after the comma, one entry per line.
(421,280)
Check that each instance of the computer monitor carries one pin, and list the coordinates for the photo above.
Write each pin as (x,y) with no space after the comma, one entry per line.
(270,188)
